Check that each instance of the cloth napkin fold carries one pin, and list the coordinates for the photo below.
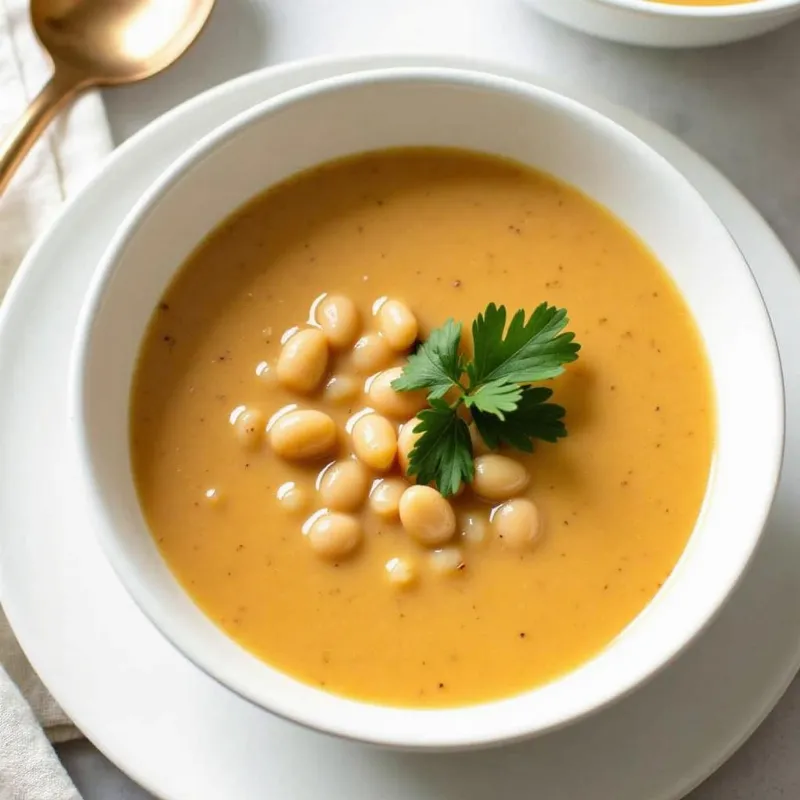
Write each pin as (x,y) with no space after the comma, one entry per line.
(62,161)
(58,165)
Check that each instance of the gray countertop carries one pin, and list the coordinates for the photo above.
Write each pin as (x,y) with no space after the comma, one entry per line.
(739,106)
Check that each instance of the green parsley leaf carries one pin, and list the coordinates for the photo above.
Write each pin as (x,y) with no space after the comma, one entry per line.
(505,409)
(531,351)
(533,418)
(443,454)
(437,365)
(496,397)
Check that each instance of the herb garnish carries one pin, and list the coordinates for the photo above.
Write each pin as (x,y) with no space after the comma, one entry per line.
(504,407)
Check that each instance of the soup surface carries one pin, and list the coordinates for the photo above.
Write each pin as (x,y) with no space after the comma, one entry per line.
(446,232)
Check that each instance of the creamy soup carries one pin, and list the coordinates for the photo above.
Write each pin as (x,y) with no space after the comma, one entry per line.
(463,607)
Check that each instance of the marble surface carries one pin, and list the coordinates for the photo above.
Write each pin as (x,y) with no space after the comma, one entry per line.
(739,106)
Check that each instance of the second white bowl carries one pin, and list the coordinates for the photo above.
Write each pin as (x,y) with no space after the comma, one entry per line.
(656,24)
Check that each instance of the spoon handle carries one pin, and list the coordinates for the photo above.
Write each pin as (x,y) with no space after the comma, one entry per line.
(60,89)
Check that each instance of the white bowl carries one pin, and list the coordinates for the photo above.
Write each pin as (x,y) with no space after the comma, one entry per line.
(644,22)
(396,107)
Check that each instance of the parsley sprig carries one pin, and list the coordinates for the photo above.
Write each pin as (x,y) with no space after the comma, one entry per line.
(505,408)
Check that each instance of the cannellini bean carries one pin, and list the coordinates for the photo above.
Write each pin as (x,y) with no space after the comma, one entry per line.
(473,527)
(405,443)
(250,426)
(400,572)
(426,516)
(343,486)
(375,441)
(447,561)
(339,320)
(342,389)
(302,435)
(333,536)
(293,498)
(384,499)
(398,324)
(498,477)
(517,524)
(371,353)
(384,399)
(479,447)
(265,373)
(213,497)
(303,361)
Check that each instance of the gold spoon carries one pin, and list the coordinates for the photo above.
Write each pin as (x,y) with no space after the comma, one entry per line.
(99,43)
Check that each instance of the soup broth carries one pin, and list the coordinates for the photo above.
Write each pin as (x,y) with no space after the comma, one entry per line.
(446,232)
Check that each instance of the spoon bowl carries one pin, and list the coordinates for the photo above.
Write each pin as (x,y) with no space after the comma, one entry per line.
(117,42)
(99,43)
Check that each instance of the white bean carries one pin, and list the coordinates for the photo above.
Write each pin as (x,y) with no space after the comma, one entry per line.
(447,561)
(398,324)
(303,435)
(384,499)
(498,477)
(343,486)
(375,441)
(405,443)
(213,497)
(303,361)
(386,400)
(293,498)
(517,524)
(250,426)
(371,353)
(473,527)
(266,373)
(333,536)
(339,320)
(342,389)
(426,516)
(400,572)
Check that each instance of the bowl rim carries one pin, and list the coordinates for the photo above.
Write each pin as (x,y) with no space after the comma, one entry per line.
(663,8)
(515,727)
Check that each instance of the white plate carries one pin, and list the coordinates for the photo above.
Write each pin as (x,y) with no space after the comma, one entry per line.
(182,735)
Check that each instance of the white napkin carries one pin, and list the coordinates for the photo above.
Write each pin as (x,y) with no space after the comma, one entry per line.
(59,164)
